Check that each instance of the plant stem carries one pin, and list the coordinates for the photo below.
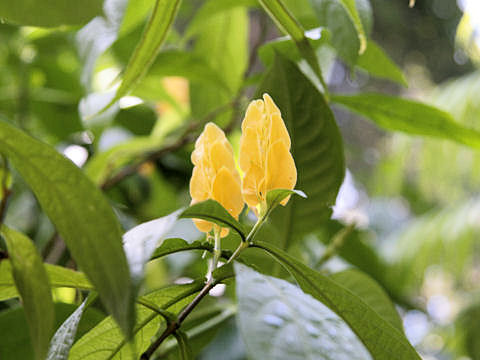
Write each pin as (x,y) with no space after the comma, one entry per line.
(337,243)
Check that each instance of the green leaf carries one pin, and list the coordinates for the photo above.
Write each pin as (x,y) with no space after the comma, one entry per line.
(171,246)
(276,196)
(222,42)
(55,13)
(16,343)
(349,22)
(371,293)
(64,337)
(289,25)
(211,210)
(316,148)
(58,277)
(378,64)
(279,321)
(393,113)
(183,345)
(32,283)
(144,54)
(81,214)
(106,341)
(379,336)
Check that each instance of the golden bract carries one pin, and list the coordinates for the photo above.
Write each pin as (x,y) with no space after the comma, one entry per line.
(214,175)
(265,155)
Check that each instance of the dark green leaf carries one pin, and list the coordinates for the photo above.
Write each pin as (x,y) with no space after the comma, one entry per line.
(279,321)
(58,276)
(55,13)
(276,196)
(349,22)
(316,148)
(81,214)
(106,341)
(212,211)
(393,113)
(371,293)
(377,63)
(383,340)
(32,283)
(144,54)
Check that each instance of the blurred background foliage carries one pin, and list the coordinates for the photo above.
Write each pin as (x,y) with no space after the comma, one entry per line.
(415,200)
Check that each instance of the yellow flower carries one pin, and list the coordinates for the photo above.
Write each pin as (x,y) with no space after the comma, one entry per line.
(265,153)
(214,175)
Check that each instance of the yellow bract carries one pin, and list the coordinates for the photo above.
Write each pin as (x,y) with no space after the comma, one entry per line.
(214,174)
(265,155)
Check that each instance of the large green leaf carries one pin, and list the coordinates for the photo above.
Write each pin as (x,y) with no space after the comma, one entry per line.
(32,283)
(223,44)
(171,246)
(380,337)
(349,22)
(144,54)
(58,277)
(51,14)
(16,343)
(81,214)
(393,113)
(316,148)
(279,321)
(106,341)
(211,210)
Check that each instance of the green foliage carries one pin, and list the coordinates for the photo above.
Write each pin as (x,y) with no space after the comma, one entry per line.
(32,283)
(316,148)
(91,230)
(393,113)
(58,12)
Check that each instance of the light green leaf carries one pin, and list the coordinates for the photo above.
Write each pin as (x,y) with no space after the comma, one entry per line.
(378,64)
(32,283)
(279,321)
(380,337)
(58,277)
(397,114)
(81,214)
(371,293)
(211,210)
(316,148)
(55,13)
(144,54)
(349,22)
(289,25)
(106,341)
(222,42)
